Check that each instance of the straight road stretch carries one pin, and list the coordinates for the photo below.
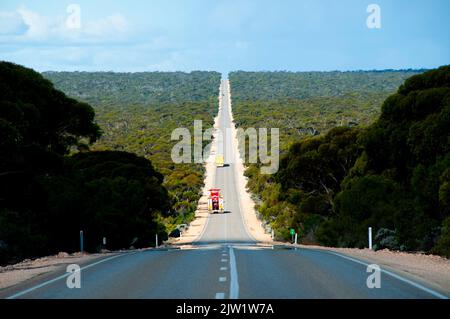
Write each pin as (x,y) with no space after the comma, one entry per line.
(224,262)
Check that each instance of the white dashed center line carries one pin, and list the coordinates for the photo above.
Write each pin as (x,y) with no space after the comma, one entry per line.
(234,285)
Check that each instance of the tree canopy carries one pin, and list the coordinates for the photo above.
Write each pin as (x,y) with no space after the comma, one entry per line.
(47,194)
(392,174)
(137,113)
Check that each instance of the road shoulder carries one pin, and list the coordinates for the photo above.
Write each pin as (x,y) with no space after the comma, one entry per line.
(430,270)
(31,272)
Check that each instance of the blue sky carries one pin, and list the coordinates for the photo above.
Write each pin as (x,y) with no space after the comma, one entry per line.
(225,35)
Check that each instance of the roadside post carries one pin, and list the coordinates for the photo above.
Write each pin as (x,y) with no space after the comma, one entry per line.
(292,234)
(156,241)
(104,242)
(81,241)
(370,238)
(296,238)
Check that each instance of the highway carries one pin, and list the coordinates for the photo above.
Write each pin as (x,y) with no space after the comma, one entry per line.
(224,262)
(228,227)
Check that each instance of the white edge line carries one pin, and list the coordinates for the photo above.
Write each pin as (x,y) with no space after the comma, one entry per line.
(234,284)
(19,294)
(410,282)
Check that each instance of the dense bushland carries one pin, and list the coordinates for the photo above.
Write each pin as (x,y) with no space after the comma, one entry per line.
(47,195)
(392,175)
(137,113)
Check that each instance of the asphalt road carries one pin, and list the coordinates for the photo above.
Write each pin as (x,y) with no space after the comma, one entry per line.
(228,227)
(222,271)
(224,262)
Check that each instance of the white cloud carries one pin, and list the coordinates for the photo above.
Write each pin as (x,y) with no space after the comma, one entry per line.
(38,25)
(113,42)
(12,23)
(31,27)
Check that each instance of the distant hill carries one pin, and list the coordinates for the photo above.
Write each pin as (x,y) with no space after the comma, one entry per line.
(303,85)
(145,88)
(310,103)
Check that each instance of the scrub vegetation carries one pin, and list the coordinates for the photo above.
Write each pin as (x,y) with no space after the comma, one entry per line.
(95,158)
(361,162)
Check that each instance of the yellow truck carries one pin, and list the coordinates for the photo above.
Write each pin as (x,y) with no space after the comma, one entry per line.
(219,161)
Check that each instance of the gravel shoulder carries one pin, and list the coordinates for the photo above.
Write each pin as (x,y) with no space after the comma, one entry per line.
(14,274)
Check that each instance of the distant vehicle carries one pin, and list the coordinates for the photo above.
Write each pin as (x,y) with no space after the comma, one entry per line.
(219,160)
(215,201)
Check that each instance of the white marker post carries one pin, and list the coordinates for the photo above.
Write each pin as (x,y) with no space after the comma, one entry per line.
(370,238)
(296,239)
(156,242)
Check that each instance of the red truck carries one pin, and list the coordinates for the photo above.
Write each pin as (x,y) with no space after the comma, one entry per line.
(215,201)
